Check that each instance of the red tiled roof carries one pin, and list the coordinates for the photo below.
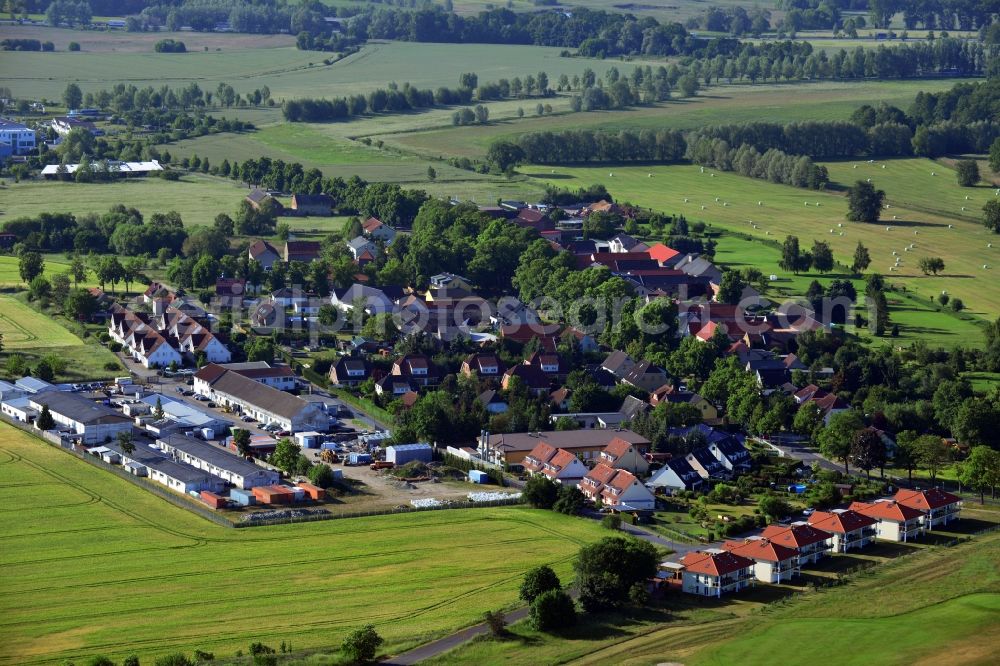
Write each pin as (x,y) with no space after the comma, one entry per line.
(840,522)
(602,474)
(925,500)
(886,510)
(795,536)
(662,253)
(764,550)
(617,447)
(622,480)
(541,454)
(715,564)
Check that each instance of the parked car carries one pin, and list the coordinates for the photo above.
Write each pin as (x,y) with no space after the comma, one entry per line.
(200,398)
(211,404)
(283,433)
(247,419)
(180,389)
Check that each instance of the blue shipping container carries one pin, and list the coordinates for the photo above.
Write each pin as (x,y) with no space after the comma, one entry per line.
(478,476)
(242,497)
(356,458)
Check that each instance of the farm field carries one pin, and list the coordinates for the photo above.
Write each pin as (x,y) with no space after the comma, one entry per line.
(81,543)
(947,615)
(287,71)
(196,197)
(54,264)
(120,41)
(785,210)
(24,328)
(782,102)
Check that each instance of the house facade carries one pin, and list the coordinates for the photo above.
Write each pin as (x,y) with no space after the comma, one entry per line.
(558,465)
(621,454)
(773,562)
(849,529)
(938,507)
(714,572)
(617,489)
(895,521)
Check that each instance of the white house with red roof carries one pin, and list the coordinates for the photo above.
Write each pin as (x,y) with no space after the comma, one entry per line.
(850,529)
(621,454)
(376,229)
(617,488)
(557,465)
(773,562)
(812,543)
(714,572)
(938,506)
(896,522)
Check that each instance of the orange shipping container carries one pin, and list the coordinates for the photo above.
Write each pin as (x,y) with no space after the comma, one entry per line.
(213,500)
(273,495)
(314,492)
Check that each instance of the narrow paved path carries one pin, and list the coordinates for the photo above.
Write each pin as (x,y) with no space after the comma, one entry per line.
(442,645)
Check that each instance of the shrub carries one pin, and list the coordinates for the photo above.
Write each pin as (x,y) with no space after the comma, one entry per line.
(537,582)
(361,645)
(638,594)
(553,611)
(176,659)
(612,521)
(497,622)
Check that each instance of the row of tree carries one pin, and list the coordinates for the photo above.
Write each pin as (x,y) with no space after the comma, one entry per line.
(773,165)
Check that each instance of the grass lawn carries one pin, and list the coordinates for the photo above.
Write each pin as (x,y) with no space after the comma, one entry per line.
(196,197)
(87,554)
(785,210)
(946,615)
(983,381)
(25,328)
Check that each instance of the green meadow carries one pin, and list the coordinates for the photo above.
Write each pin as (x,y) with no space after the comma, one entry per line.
(924,205)
(196,197)
(152,578)
(54,265)
(24,328)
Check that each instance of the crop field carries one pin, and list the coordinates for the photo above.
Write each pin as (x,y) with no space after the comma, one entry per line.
(923,207)
(287,71)
(946,615)
(784,102)
(24,328)
(95,565)
(196,197)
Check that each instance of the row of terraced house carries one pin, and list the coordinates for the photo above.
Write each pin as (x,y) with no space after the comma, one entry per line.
(779,553)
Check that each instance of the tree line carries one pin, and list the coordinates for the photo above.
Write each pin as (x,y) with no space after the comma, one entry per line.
(396,99)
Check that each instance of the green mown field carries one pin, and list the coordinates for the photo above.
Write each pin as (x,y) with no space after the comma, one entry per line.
(919,604)
(287,71)
(54,264)
(925,206)
(196,197)
(784,102)
(24,328)
(95,565)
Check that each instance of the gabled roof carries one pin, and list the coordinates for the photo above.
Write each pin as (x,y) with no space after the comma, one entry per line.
(616,362)
(260,247)
(761,550)
(661,253)
(886,510)
(601,474)
(371,224)
(617,447)
(682,468)
(541,454)
(840,522)
(560,461)
(715,564)
(925,500)
(795,536)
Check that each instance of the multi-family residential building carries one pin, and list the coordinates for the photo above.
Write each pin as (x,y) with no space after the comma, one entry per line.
(812,543)
(622,454)
(850,529)
(278,376)
(156,341)
(19,138)
(558,465)
(617,488)
(938,506)
(714,572)
(773,562)
(896,522)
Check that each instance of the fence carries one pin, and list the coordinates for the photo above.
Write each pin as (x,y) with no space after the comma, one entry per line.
(382,512)
(190,505)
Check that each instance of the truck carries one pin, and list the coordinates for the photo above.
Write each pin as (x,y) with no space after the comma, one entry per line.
(329,456)
(382,464)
